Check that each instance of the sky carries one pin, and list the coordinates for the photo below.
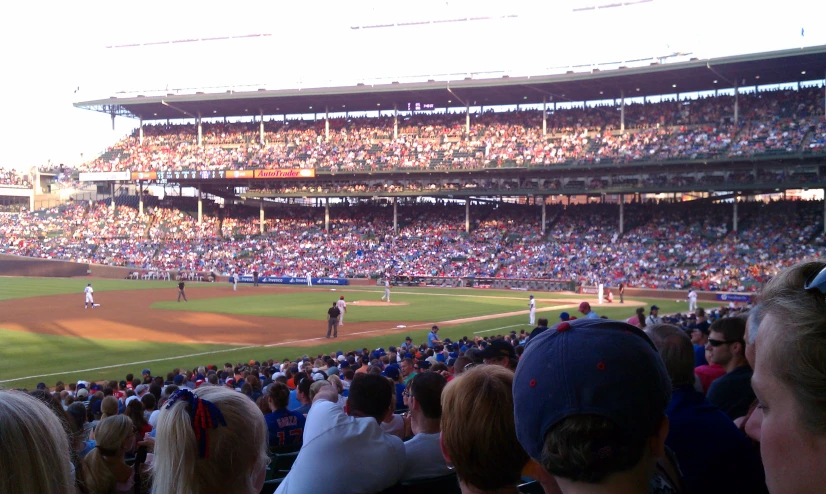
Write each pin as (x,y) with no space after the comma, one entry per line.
(58,53)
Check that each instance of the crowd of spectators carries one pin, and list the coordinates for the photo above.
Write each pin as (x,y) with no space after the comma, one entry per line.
(665,245)
(776,121)
(9,177)
(656,405)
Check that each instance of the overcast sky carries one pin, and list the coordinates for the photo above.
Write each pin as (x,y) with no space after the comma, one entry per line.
(50,49)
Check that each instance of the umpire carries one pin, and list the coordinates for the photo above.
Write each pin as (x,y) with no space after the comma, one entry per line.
(181,293)
(255,277)
(332,320)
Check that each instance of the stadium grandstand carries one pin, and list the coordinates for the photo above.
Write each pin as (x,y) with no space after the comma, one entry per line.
(693,176)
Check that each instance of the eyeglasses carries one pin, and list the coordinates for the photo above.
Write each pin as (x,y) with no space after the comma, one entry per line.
(407,394)
(817,281)
(716,343)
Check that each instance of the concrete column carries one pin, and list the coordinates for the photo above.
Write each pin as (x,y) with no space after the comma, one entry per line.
(140,131)
(200,206)
(467,118)
(261,129)
(734,216)
(544,129)
(736,104)
(200,132)
(140,197)
(31,199)
(544,222)
(396,216)
(467,215)
(622,214)
(261,217)
(327,214)
(327,124)
(395,121)
(112,191)
(622,111)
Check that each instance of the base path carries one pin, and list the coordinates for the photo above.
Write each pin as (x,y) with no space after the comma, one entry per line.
(126,315)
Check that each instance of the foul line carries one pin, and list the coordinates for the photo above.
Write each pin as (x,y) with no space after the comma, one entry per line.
(497,329)
(141,362)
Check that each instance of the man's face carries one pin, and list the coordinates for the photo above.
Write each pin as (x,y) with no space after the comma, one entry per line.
(721,353)
(406,368)
(695,336)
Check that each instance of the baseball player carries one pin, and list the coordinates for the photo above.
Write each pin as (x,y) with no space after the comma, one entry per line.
(235,281)
(386,289)
(342,307)
(692,300)
(90,300)
(309,278)
(532,306)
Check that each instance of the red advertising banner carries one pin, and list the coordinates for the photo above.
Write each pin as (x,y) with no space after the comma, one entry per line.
(286,173)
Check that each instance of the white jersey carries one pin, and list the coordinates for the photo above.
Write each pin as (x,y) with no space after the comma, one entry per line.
(387,285)
(342,305)
(692,296)
(88,291)
(533,304)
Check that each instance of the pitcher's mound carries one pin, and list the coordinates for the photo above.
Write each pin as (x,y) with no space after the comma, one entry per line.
(376,303)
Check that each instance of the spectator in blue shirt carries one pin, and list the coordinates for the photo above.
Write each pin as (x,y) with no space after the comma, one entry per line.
(285,427)
(433,337)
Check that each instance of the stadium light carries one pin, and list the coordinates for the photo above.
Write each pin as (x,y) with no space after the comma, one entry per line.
(802,72)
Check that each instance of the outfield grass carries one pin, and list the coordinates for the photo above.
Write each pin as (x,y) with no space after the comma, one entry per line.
(26,359)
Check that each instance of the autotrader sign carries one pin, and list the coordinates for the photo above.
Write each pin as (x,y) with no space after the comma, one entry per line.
(286,173)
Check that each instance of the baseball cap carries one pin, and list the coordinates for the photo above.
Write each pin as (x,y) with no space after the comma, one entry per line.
(342,297)
(199,382)
(41,385)
(392,371)
(498,348)
(584,306)
(140,388)
(564,316)
(145,372)
(130,399)
(332,371)
(590,366)
(82,393)
(178,380)
(654,307)
(318,376)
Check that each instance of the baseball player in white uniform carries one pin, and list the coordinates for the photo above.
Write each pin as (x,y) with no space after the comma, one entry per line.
(309,278)
(90,299)
(342,307)
(386,289)
(532,305)
(235,281)
(692,300)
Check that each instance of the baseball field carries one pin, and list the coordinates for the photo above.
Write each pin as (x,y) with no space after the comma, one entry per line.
(46,335)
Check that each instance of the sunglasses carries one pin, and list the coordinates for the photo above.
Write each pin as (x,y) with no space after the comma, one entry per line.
(817,281)
(716,343)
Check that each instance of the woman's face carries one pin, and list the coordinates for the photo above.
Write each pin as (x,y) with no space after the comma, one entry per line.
(794,458)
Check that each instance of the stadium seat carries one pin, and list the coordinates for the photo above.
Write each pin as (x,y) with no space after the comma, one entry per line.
(447,484)
(280,465)
(270,486)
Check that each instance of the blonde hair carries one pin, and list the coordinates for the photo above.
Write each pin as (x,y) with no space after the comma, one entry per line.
(236,452)
(110,434)
(798,350)
(478,429)
(316,386)
(35,455)
(336,381)
(108,407)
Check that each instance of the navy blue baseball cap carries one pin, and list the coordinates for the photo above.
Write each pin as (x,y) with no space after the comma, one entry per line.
(564,316)
(589,367)
(392,371)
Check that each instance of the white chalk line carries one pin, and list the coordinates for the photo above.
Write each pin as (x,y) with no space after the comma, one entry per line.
(497,329)
(142,362)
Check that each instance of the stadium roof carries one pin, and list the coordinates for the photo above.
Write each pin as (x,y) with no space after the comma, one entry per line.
(683,77)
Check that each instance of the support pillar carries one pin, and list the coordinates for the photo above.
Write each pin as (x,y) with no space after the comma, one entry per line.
(112,189)
(326,124)
(467,215)
(467,118)
(140,198)
(200,206)
(261,129)
(622,214)
(200,132)
(395,121)
(544,221)
(261,217)
(544,131)
(396,216)
(327,215)
(824,210)
(31,199)
(140,132)
(734,216)
(736,104)
(622,111)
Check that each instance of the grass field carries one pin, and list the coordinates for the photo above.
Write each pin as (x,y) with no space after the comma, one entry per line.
(29,358)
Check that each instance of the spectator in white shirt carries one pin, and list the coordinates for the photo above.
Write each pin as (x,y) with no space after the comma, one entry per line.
(424,455)
(376,463)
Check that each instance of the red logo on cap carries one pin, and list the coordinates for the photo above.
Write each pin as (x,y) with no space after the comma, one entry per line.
(532,383)
(601,366)
(563,327)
